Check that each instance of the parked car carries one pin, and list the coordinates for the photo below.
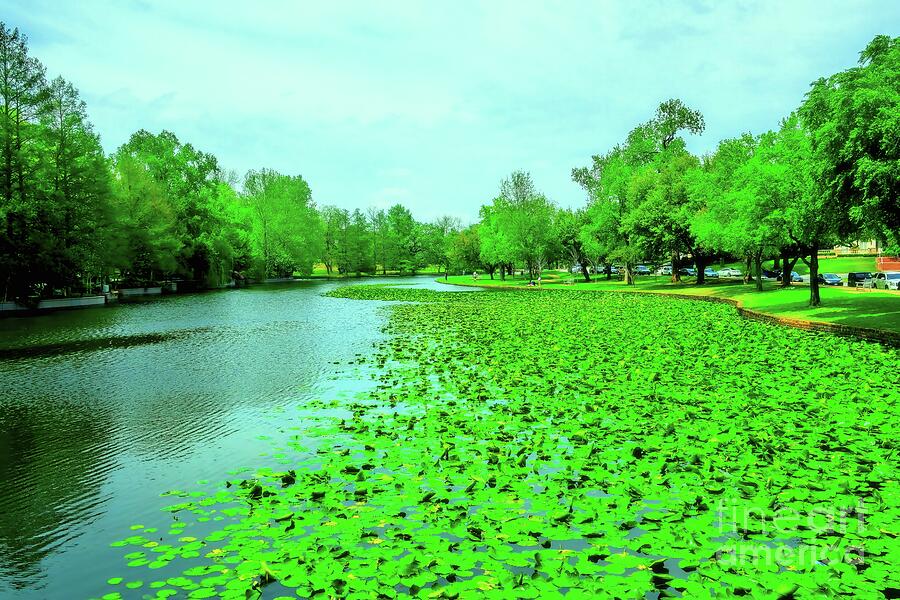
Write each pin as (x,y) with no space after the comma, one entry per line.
(829,279)
(710,273)
(767,274)
(795,277)
(689,271)
(664,270)
(642,270)
(575,269)
(886,280)
(730,272)
(859,277)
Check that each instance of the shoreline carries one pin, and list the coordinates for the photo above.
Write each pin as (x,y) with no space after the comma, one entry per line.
(884,336)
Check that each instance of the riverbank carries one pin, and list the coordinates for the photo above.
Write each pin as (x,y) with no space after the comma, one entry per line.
(842,308)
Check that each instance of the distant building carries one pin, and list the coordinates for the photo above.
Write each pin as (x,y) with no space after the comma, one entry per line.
(861,247)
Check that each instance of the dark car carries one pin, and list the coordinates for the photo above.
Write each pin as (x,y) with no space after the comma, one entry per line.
(857,278)
(795,277)
(829,279)
(771,274)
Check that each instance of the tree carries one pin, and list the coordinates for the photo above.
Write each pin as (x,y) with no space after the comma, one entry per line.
(607,184)
(852,118)
(147,236)
(190,179)
(568,226)
(405,247)
(288,231)
(437,238)
(380,239)
(497,249)
(75,188)
(672,117)
(465,249)
(637,191)
(335,222)
(23,100)
(523,221)
(358,243)
(813,217)
(728,220)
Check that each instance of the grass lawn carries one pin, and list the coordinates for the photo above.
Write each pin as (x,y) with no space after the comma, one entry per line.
(876,309)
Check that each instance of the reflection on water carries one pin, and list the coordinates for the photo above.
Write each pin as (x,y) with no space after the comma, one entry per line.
(52,465)
(103,409)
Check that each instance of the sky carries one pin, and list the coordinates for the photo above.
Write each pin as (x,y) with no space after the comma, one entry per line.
(432,104)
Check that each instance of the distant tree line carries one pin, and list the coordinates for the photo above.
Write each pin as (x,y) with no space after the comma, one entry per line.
(72,218)
(158,208)
(829,174)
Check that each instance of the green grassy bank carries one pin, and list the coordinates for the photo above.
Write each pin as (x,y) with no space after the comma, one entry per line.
(875,309)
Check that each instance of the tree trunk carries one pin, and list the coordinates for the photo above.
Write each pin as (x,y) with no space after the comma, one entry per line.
(787,264)
(757,263)
(814,298)
(700,263)
(676,276)
(748,274)
(584,271)
(629,277)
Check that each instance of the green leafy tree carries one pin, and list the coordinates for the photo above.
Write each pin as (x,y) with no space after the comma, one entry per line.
(23,101)
(334,248)
(606,183)
(497,248)
(568,225)
(190,178)
(74,188)
(637,192)
(519,225)
(288,233)
(358,244)
(465,249)
(437,239)
(406,246)
(147,238)
(853,118)
(382,243)
(721,222)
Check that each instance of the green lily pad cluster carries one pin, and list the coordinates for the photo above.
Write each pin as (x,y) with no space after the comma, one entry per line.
(533,444)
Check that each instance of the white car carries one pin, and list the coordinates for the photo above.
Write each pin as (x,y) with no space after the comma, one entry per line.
(885,280)
(729,272)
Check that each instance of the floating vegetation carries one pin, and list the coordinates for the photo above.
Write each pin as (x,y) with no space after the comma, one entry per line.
(531,444)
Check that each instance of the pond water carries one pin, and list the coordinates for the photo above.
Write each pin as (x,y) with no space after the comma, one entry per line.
(101,410)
